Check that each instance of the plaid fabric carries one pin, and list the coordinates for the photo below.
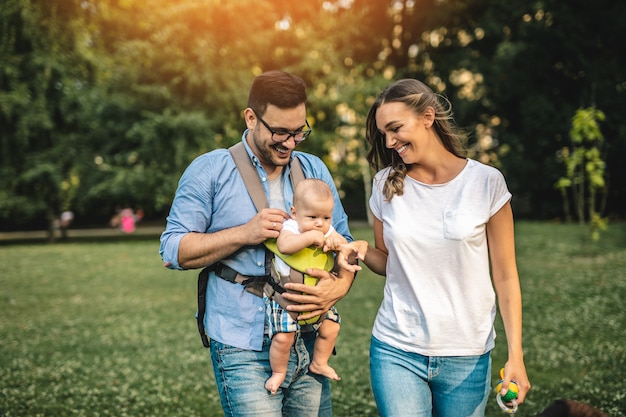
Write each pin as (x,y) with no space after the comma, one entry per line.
(278,320)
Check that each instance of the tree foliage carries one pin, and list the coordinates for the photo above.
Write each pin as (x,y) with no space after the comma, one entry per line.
(104,103)
(516,72)
(41,79)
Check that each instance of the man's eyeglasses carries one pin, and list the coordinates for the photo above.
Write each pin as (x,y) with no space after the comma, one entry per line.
(282,135)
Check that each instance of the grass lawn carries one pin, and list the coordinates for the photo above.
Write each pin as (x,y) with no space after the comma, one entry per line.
(100,328)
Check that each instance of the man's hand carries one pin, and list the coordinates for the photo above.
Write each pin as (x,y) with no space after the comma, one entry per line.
(264,225)
(319,299)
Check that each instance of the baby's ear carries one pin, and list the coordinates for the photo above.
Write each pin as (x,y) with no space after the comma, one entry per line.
(293,212)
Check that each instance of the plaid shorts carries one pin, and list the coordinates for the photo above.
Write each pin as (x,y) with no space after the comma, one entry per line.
(278,320)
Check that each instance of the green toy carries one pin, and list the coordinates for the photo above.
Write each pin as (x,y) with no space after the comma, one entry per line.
(509,397)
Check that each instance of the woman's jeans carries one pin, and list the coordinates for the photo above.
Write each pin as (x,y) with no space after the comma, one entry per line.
(241,375)
(409,384)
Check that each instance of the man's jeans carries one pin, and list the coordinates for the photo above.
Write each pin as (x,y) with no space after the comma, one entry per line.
(408,384)
(241,375)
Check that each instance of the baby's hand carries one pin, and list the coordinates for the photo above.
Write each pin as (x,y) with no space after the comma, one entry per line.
(317,238)
(349,253)
(333,243)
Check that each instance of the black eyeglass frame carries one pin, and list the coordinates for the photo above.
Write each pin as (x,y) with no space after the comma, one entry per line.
(305,133)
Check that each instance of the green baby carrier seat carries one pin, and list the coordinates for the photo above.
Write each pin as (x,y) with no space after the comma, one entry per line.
(298,263)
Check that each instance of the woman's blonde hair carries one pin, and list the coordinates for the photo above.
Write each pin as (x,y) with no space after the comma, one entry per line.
(417,96)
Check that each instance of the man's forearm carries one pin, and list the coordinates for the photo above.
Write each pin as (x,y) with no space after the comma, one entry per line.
(197,250)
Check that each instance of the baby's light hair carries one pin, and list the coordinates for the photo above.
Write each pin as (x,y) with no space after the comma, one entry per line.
(311,187)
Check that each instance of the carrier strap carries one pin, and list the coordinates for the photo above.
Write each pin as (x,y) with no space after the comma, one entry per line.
(254,285)
(251,177)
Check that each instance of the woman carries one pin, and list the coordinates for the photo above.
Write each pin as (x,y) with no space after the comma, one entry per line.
(440,219)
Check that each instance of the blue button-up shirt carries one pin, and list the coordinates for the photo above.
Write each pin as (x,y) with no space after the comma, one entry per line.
(212,196)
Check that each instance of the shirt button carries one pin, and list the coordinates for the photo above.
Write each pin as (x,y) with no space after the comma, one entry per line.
(260,308)
(259,264)
(263,179)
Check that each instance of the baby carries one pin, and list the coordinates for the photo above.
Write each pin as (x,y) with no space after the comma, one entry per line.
(309,226)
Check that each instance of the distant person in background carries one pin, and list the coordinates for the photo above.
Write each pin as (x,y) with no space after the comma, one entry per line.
(65,220)
(125,219)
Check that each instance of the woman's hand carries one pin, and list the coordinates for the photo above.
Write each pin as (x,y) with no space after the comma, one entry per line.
(348,255)
(514,370)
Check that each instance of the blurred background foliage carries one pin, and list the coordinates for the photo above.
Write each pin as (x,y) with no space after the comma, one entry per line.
(104,102)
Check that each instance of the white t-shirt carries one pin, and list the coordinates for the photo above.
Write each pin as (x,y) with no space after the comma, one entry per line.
(438,296)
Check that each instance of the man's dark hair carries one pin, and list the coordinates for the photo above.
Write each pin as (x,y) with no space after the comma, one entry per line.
(278,88)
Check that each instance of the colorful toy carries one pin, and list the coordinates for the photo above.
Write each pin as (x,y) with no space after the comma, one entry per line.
(509,397)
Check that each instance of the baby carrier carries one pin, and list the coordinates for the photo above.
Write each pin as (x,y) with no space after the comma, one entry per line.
(272,283)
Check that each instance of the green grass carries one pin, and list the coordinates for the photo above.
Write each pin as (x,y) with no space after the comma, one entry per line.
(102,329)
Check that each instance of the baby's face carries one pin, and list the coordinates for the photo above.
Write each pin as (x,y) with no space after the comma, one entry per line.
(313,214)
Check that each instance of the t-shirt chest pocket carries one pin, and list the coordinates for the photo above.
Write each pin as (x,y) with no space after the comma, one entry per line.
(461,225)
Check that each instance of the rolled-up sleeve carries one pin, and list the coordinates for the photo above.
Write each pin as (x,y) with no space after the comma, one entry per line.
(190,212)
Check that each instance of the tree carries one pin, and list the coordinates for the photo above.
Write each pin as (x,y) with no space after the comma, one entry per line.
(585,171)
(40,88)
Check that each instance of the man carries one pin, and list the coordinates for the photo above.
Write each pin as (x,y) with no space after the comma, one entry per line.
(212,219)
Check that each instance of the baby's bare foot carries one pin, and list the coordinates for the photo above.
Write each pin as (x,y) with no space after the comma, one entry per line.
(324,370)
(273,383)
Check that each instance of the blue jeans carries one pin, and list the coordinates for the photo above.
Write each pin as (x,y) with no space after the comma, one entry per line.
(409,384)
(241,374)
